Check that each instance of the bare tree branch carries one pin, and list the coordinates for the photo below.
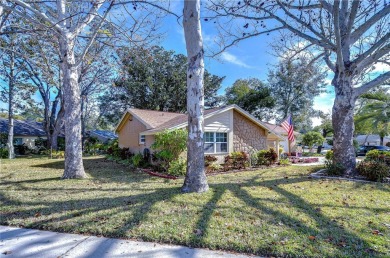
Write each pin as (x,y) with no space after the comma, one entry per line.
(369,23)
(39,14)
(371,56)
(94,34)
(79,27)
(372,84)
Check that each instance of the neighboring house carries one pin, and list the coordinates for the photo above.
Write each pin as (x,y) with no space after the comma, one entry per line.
(227,129)
(281,131)
(103,136)
(371,139)
(25,132)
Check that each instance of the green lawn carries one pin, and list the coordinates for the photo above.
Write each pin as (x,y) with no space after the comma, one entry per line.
(277,211)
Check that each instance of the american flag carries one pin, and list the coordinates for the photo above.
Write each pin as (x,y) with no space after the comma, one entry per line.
(288,126)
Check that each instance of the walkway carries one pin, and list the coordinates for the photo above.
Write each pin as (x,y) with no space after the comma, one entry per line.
(19,242)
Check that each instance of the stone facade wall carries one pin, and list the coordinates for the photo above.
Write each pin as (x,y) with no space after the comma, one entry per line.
(247,136)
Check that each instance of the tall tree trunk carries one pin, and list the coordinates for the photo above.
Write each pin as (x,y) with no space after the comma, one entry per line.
(195,180)
(73,148)
(343,124)
(82,122)
(10,142)
(57,128)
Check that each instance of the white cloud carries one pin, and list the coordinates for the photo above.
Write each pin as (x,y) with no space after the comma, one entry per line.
(208,40)
(316,121)
(380,67)
(323,102)
(230,58)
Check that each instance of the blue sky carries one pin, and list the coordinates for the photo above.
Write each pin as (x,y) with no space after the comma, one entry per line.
(249,59)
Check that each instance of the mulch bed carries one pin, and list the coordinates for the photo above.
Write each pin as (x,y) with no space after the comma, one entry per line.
(153,173)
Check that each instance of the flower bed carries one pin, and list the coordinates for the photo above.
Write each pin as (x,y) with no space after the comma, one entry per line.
(295,160)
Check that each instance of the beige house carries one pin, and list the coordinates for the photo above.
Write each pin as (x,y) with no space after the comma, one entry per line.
(227,129)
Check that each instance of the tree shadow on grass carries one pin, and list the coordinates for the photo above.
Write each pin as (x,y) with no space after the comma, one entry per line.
(139,205)
(342,240)
(127,213)
(103,170)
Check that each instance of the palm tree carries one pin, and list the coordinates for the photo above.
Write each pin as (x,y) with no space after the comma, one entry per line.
(374,115)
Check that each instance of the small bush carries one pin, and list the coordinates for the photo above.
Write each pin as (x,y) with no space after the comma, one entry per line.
(266,157)
(21,149)
(93,147)
(261,158)
(169,144)
(377,155)
(284,162)
(329,155)
(40,143)
(113,148)
(334,169)
(177,167)
(116,152)
(209,160)
(373,170)
(253,159)
(4,153)
(236,160)
(124,153)
(136,160)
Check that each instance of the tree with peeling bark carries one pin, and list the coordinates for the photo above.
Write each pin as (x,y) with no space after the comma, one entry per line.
(40,56)
(14,88)
(195,180)
(350,37)
(68,22)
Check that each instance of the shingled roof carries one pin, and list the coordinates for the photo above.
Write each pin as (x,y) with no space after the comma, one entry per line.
(153,119)
(23,128)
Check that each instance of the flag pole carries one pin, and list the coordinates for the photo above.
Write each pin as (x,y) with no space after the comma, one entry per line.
(289,148)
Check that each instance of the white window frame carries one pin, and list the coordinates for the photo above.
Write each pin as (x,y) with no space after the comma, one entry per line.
(214,142)
(142,139)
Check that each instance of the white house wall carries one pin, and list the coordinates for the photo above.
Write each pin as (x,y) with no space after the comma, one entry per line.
(218,123)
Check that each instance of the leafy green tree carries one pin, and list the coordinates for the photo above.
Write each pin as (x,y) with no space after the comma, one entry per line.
(253,96)
(154,78)
(294,86)
(312,138)
(374,116)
